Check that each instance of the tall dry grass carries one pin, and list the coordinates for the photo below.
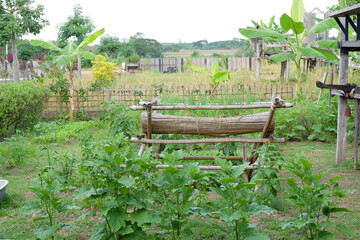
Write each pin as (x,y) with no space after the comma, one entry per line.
(270,73)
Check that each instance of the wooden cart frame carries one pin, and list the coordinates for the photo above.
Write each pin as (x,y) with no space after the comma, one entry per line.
(146,139)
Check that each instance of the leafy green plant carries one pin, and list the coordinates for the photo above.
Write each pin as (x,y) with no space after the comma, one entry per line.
(119,193)
(118,115)
(296,41)
(48,189)
(180,201)
(133,58)
(238,201)
(20,106)
(68,56)
(315,200)
(215,75)
(270,165)
(66,166)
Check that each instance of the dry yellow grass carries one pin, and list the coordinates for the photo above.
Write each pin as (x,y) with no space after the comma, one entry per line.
(270,73)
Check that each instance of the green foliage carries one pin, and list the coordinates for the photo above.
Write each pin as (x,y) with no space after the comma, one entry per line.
(133,58)
(315,200)
(216,75)
(15,151)
(20,106)
(111,46)
(103,72)
(180,202)
(27,51)
(77,26)
(48,189)
(56,132)
(146,47)
(239,201)
(308,121)
(296,40)
(120,194)
(270,166)
(120,121)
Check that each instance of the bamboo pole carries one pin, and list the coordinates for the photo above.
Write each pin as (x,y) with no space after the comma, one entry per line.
(208,140)
(208,107)
(230,158)
(162,166)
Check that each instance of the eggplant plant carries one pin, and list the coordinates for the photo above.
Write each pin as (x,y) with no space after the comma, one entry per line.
(315,199)
(296,40)
(68,57)
(239,202)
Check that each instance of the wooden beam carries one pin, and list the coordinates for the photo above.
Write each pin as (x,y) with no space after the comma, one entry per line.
(230,158)
(208,140)
(210,107)
(210,168)
(349,10)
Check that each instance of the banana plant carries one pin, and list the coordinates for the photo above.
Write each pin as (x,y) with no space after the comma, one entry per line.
(68,56)
(216,75)
(296,40)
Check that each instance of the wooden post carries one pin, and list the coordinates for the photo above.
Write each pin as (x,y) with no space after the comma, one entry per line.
(356,132)
(331,81)
(287,77)
(341,120)
(257,59)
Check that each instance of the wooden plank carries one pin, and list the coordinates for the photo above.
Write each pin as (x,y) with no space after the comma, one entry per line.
(323,81)
(230,158)
(208,140)
(348,10)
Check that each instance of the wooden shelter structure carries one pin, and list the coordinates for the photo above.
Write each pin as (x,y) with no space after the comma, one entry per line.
(344,20)
(217,128)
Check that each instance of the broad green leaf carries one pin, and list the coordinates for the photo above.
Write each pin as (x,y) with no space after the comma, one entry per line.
(45,232)
(63,60)
(322,26)
(87,55)
(68,207)
(90,39)
(254,234)
(326,44)
(46,45)
(326,235)
(221,76)
(259,33)
(271,22)
(214,68)
(239,170)
(327,55)
(288,23)
(281,57)
(144,216)
(126,181)
(298,10)
(199,69)
(117,218)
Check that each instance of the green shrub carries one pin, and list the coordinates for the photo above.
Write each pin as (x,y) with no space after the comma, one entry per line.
(20,106)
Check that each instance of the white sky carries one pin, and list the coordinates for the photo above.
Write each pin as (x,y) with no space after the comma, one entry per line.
(171,21)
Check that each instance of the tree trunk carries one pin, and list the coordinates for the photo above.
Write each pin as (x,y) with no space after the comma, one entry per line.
(79,72)
(71,97)
(15,60)
(209,126)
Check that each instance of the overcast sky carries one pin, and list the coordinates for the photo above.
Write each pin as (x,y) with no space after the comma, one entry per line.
(171,21)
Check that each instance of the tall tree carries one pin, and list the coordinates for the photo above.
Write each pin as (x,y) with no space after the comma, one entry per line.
(77,26)
(17,18)
(110,45)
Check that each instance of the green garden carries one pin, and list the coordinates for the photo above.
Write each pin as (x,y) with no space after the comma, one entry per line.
(78,175)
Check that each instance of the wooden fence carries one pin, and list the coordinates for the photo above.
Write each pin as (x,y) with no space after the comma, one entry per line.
(180,64)
(93,101)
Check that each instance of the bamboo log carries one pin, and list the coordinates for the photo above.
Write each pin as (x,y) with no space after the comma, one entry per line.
(209,107)
(208,140)
(209,126)
(230,158)
(162,166)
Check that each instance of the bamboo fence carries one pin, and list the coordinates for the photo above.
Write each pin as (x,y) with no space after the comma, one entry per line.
(92,102)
